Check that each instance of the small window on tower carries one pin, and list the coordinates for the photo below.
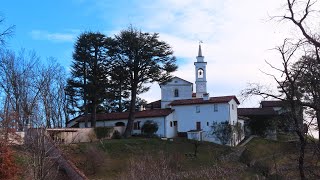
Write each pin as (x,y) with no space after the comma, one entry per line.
(215,108)
(197,109)
(200,73)
(176,93)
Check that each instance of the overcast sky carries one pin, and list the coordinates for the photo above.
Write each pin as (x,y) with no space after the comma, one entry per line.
(238,36)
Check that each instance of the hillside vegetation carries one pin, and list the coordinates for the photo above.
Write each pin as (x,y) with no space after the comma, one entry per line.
(151,158)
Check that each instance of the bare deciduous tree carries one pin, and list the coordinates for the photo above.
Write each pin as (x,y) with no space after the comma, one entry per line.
(6,32)
(34,92)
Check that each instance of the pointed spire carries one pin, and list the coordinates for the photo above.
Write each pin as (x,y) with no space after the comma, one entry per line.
(200,57)
(200,52)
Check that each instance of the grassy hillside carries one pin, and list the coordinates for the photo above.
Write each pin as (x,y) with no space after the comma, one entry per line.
(146,155)
(279,159)
(141,158)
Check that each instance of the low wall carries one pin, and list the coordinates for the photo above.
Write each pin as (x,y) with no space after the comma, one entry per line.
(76,135)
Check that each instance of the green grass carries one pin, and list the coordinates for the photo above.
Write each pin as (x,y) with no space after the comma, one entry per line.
(117,152)
(262,156)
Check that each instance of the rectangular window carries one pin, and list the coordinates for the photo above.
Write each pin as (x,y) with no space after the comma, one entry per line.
(207,123)
(176,93)
(136,125)
(232,107)
(170,123)
(198,125)
(175,123)
(197,109)
(215,107)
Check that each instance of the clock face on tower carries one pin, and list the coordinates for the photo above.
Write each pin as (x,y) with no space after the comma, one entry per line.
(201,88)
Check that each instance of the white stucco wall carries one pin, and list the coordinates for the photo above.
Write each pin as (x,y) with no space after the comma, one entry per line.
(187,116)
(233,112)
(167,91)
(170,131)
(159,120)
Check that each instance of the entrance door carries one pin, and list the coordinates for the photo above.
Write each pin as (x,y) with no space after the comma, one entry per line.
(198,125)
(175,128)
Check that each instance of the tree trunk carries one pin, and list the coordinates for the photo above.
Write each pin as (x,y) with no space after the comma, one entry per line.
(301,154)
(85,99)
(128,131)
(94,113)
(318,123)
(297,113)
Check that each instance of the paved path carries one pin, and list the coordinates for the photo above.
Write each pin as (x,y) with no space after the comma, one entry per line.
(248,140)
(235,155)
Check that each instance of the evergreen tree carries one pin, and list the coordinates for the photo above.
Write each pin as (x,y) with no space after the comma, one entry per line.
(146,59)
(89,73)
(118,89)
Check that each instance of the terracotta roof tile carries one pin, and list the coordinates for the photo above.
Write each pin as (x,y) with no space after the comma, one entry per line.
(124,115)
(256,111)
(212,100)
(272,104)
(154,105)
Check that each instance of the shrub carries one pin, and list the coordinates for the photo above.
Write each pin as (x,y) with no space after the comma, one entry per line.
(92,136)
(149,128)
(223,132)
(8,167)
(102,132)
(116,135)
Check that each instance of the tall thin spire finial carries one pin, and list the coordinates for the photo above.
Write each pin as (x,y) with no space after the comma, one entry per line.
(200,52)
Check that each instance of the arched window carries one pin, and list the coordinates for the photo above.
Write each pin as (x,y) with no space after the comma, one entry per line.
(200,73)
(120,124)
(176,93)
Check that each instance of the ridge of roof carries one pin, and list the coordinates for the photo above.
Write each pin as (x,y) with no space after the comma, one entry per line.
(256,111)
(154,104)
(273,103)
(125,115)
(169,80)
(218,99)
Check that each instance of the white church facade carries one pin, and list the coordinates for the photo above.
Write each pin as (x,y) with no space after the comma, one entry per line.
(181,112)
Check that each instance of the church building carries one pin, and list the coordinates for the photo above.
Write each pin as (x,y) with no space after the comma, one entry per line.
(181,112)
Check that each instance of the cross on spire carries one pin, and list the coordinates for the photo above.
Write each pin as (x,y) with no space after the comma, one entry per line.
(200,52)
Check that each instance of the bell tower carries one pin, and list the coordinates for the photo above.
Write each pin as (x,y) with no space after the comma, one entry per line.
(200,72)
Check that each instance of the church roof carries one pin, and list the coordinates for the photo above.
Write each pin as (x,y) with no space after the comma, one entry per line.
(174,78)
(212,100)
(272,104)
(125,115)
(154,105)
(257,111)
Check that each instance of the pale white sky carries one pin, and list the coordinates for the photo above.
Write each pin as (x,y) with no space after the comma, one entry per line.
(238,35)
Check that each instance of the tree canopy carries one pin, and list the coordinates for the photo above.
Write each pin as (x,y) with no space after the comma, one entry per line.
(108,73)
(146,59)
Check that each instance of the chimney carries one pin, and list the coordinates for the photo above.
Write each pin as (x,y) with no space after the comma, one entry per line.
(206,96)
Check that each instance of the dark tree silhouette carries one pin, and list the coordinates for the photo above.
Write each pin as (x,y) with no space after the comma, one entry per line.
(89,78)
(145,58)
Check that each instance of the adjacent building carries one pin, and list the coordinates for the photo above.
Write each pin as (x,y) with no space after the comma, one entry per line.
(181,112)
